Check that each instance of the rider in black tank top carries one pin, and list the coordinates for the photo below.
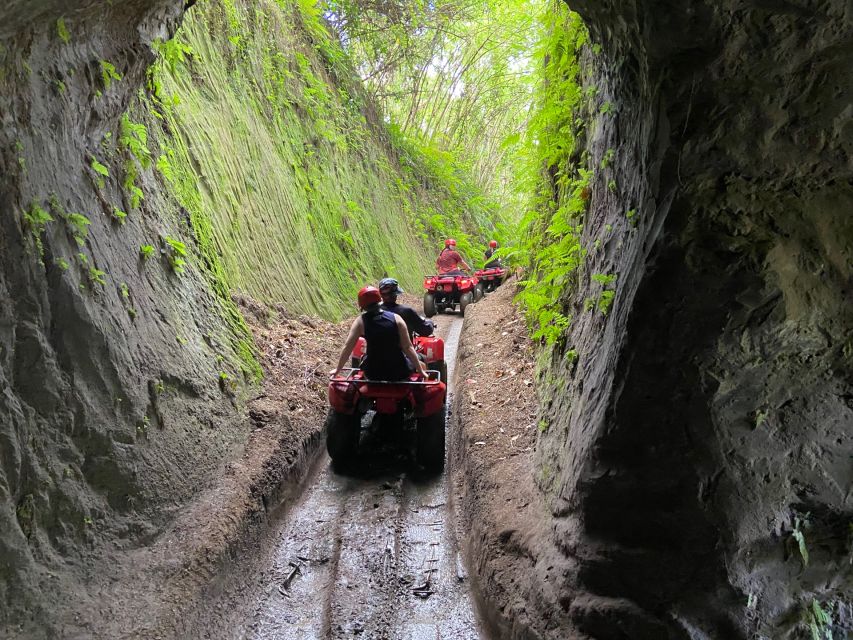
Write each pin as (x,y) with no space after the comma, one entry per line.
(385,359)
(390,353)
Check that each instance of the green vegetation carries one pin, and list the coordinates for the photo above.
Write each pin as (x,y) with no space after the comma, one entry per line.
(176,252)
(108,73)
(799,537)
(146,250)
(79,225)
(819,621)
(96,276)
(62,31)
(35,220)
(553,223)
(293,186)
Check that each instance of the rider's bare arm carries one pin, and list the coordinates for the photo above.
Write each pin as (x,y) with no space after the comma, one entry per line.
(407,346)
(355,332)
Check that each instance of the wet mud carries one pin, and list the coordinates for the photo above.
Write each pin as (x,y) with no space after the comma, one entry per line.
(370,552)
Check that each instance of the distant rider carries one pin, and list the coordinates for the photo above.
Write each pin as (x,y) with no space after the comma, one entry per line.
(449,261)
(390,289)
(492,264)
(390,354)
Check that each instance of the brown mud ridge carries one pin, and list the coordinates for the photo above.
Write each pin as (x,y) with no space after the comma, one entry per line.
(492,438)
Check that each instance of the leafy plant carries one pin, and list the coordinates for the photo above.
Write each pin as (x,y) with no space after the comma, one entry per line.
(607,158)
(819,621)
(97,167)
(36,219)
(96,276)
(799,537)
(176,253)
(146,250)
(79,227)
(62,30)
(62,264)
(172,52)
(130,186)
(604,279)
(108,73)
(606,108)
(134,137)
(124,290)
(101,171)
(119,215)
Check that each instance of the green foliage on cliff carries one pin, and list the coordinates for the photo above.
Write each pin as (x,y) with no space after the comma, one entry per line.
(557,179)
(296,191)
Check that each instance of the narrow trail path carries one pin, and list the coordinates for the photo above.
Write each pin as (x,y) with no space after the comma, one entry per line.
(372,555)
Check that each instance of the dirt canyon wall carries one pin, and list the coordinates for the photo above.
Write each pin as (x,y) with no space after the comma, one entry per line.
(698,433)
(142,180)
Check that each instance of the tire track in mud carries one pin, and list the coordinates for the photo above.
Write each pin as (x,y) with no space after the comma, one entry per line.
(372,555)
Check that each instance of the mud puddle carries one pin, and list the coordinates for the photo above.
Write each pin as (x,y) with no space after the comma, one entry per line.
(371,554)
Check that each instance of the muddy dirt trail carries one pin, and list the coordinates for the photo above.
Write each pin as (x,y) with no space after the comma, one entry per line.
(371,553)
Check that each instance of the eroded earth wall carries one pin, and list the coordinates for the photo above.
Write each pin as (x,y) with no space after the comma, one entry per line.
(112,407)
(134,197)
(697,457)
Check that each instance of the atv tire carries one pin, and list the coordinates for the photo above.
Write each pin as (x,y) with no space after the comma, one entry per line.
(429,305)
(430,444)
(478,293)
(342,432)
(464,301)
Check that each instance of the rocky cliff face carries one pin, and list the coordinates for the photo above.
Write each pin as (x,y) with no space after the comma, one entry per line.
(697,459)
(112,407)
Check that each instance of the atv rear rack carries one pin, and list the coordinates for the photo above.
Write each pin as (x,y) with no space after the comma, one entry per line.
(413,383)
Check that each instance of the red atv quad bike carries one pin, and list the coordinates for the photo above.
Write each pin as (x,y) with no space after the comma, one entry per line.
(429,348)
(491,278)
(447,292)
(412,404)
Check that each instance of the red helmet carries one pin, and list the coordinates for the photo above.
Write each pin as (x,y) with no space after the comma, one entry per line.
(450,242)
(368,296)
(493,244)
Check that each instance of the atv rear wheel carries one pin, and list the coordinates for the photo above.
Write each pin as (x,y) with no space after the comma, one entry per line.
(464,301)
(478,293)
(429,305)
(342,432)
(430,446)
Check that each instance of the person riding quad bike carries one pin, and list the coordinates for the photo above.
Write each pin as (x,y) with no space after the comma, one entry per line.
(389,288)
(390,353)
(392,384)
(492,264)
(449,261)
